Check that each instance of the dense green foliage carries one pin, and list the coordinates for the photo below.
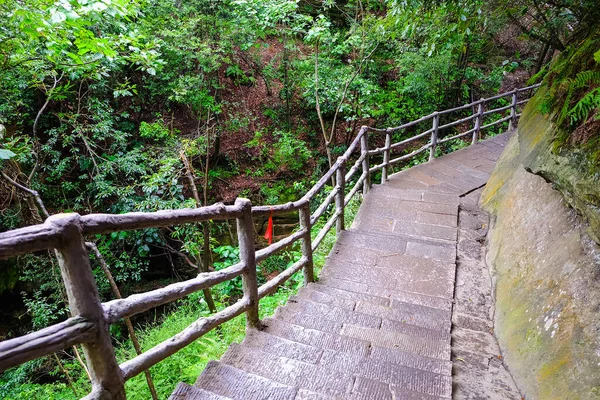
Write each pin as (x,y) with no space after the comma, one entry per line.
(118,106)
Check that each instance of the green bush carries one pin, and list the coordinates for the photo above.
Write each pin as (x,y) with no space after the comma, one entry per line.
(290,152)
(156,131)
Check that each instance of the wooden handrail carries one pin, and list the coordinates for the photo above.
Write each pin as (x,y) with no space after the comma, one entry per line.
(91,319)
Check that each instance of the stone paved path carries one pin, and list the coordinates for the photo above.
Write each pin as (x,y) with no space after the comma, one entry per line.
(378,323)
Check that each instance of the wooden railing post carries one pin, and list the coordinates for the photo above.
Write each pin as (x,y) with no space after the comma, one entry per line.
(386,156)
(512,123)
(245,231)
(478,120)
(308,271)
(340,197)
(84,301)
(364,150)
(434,135)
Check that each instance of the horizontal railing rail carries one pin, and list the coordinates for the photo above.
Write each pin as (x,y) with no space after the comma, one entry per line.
(90,321)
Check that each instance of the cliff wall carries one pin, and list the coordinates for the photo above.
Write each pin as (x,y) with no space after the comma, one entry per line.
(544,197)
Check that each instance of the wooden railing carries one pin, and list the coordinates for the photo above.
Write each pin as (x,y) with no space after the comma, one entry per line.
(89,326)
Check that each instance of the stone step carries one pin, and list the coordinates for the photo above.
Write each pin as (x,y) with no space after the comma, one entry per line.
(396,356)
(448,174)
(374,390)
(404,183)
(315,338)
(481,167)
(426,231)
(406,313)
(279,346)
(386,243)
(413,330)
(385,354)
(355,296)
(183,391)
(315,378)
(318,322)
(465,183)
(353,245)
(411,341)
(414,195)
(395,340)
(415,380)
(237,384)
(451,169)
(311,294)
(311,321)
(336,372)
(401,206)
(405,273)
(302,352)
(429,318)
(383,292)
(332,313)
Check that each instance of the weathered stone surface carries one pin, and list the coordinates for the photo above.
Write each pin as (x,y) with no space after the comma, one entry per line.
(369,389)
(406,328)
(418,316)
(426,231)
(316,378)
(357,255)
(316,338)
(431,250)
(332,313)
(317,296)
(183,391)
(304,394)
(317,322)
(413,298)
(380,371)
(436,219)
(239,385)
(281,347)
(401,317)
(422,276)
(354,296)
(411,360)
(384,243)
(400,393)
(395,340)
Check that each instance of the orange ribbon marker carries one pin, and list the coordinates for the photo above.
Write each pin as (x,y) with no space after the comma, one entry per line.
(269,231)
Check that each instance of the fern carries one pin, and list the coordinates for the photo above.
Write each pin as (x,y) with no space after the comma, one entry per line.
(587,104)
(564,111)
(585,77)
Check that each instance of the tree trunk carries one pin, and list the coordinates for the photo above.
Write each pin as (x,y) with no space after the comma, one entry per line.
(541,58)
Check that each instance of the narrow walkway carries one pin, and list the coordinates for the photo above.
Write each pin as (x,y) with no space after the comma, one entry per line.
(378,324)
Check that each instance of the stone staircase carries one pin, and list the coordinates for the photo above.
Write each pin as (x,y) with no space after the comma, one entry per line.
(378,323)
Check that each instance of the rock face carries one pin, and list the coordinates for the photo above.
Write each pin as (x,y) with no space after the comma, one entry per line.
(545,258)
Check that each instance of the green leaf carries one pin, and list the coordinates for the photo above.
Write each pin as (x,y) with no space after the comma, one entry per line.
(6,154)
